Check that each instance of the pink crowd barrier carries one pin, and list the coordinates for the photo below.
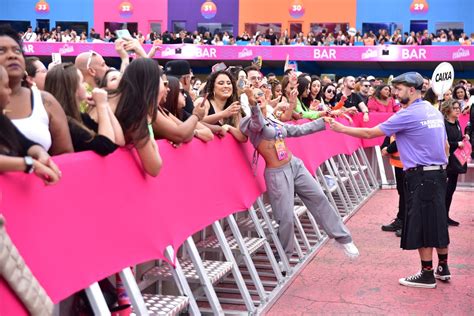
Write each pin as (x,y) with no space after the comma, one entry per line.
(389,53)
(106,214)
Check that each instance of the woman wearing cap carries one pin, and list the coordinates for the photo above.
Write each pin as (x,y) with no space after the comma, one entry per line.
(285,175)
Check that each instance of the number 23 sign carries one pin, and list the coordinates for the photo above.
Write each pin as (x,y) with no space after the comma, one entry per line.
(419,6)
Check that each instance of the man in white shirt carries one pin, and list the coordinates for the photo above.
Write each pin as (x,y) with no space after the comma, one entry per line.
(29,35)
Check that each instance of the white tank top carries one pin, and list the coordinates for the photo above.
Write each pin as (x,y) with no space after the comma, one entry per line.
(36,126)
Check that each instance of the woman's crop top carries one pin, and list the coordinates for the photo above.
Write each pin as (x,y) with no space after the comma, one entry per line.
(256,127)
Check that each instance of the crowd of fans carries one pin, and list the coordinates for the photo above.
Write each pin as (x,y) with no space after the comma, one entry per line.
(269,37)
(86,105)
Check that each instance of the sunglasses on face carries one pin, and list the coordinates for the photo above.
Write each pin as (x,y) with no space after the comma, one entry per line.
(255,78)
(330,91)
(89,60)
(366,85)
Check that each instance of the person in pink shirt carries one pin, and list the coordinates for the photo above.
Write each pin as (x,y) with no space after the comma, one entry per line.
(382,100)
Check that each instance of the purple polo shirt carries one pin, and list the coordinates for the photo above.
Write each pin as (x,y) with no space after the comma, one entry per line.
(420,133)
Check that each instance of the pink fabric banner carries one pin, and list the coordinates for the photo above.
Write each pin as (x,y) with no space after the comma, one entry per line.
(106,214)
(390,53)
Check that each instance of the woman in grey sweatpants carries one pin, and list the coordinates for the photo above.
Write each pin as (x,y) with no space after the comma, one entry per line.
(285,174)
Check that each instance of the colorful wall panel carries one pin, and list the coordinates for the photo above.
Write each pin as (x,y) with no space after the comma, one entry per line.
(404,11)
(143,12)
(296,11)
(52,10)
(196,11)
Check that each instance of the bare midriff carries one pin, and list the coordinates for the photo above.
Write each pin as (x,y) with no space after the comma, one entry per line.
(267,150)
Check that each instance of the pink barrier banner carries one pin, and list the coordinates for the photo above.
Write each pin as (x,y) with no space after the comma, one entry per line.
(389,53)
(106,214)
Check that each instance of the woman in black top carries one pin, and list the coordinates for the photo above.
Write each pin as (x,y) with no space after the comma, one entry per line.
(451,110)
(17,153)
(223,107)
(66,83)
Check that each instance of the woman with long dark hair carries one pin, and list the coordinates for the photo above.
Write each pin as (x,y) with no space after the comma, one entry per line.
(221,103)
(174,107)
(66,83)
(17,153)
(304,90)
(137,98)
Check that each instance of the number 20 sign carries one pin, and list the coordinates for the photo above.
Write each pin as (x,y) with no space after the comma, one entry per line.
(419,6)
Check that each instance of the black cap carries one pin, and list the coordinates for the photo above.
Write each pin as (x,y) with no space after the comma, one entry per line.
(177,68)
(411,79)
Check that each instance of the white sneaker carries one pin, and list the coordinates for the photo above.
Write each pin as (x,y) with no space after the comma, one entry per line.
(350,250)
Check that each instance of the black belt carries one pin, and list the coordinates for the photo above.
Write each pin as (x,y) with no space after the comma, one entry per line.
(427,168)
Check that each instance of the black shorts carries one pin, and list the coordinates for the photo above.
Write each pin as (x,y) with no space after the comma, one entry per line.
(426,217)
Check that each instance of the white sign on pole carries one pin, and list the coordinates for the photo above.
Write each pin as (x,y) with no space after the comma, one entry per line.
(442,79)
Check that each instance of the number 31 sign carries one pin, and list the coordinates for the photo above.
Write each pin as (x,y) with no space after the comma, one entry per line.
(419,6)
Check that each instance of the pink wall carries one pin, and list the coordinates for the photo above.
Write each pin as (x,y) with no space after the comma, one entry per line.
(144,11)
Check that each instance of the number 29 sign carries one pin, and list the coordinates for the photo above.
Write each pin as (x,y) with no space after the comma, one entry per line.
(419,6)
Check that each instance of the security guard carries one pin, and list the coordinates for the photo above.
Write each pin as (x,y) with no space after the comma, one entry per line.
(421,142)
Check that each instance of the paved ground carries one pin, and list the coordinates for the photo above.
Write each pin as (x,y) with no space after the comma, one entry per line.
(331,284)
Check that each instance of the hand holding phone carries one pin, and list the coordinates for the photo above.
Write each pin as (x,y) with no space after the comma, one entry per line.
(125,34)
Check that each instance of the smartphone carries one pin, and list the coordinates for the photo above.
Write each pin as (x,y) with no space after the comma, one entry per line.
(241,83)
(219,67)
(56,58)
(125,34)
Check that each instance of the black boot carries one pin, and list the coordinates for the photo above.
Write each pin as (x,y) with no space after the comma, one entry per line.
(393,226)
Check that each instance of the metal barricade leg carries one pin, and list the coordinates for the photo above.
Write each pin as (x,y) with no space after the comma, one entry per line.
(352,183)
(267,247)
(274,235)
(332,169)
(301,231)
(365,177)
(371,173)
(364,184)
(133,292)
(319,174)
(203,277)
(235,269)
(182,283)
(97,300)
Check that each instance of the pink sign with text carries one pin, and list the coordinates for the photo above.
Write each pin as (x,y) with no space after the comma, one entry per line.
(389,53)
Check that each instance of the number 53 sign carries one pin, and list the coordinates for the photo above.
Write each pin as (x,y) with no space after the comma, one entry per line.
(419,6)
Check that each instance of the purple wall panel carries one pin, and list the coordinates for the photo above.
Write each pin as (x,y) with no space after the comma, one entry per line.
(190,11)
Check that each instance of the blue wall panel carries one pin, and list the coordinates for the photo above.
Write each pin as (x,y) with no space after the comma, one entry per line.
(373,11)
(60,10)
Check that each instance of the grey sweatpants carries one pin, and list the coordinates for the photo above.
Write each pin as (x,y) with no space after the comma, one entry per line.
(282,183)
